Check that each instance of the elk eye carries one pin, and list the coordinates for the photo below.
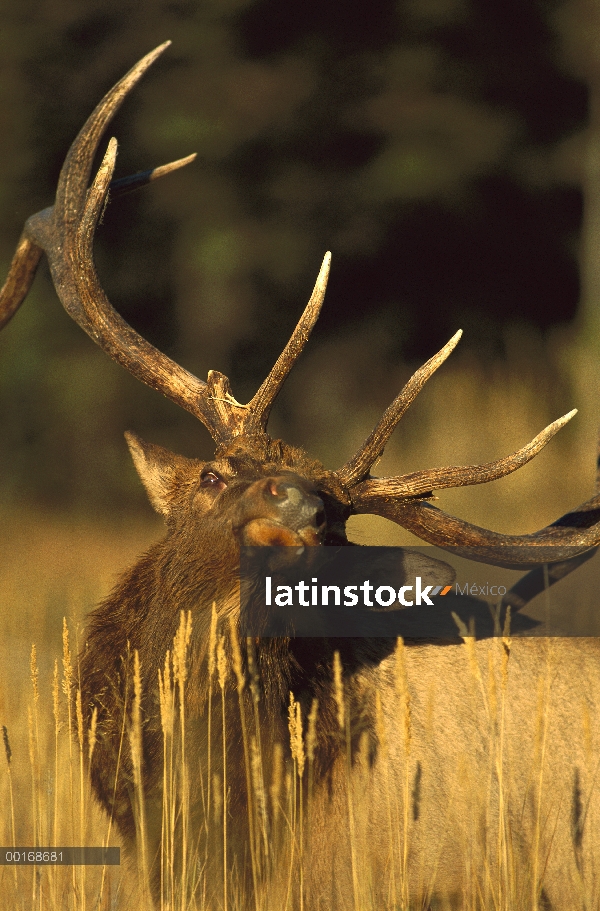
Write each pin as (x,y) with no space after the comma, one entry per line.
(212,479)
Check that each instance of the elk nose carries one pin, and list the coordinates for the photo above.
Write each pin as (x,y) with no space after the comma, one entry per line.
(295,507)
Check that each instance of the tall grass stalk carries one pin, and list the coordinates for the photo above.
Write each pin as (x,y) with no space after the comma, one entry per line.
(542,721)
(259,795)
(311,745)
(34,799)
(298,756)
(506,884)
(8,754)
(275,798)
(252,823)
(107,838)
(403,697)
(67,687)
(82,789)
(57,729)
(180,666)
(344,720)
(259,765)
(135,738)
(212,663)
(392,813)
(222,675)
(167,718)
(36,762)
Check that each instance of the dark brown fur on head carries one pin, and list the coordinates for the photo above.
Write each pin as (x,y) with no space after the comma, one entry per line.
(195,566)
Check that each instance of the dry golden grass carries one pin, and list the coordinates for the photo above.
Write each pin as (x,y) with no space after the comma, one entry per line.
(47,801)
(50,569)
(53,569)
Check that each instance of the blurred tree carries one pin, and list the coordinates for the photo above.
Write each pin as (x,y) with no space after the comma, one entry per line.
(577,23)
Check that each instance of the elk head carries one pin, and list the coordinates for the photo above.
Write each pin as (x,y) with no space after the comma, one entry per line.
(276,494)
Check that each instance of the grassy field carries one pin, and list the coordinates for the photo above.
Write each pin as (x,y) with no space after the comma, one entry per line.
(59,567)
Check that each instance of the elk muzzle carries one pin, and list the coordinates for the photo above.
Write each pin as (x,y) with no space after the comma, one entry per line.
(281,510)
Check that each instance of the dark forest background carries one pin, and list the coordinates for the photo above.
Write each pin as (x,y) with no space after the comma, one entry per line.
(440,148)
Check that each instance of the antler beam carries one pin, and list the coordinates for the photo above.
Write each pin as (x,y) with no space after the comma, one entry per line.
(569,536)
(65,232)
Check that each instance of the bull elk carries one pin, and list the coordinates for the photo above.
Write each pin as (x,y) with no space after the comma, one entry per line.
(443,746)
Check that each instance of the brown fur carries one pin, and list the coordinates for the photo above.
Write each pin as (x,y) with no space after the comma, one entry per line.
(193,567)
(454,731)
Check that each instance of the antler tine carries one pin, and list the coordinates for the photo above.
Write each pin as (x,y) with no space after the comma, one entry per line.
(128,184)
(75,173)
(211,403)
(395,499)
(71,190)
(421,483)
(19,279)
(263,400)
(359,465)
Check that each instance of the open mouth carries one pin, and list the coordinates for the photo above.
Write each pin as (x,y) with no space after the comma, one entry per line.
(268,533)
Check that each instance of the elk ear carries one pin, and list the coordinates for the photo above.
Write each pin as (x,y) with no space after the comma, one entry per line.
(165,475)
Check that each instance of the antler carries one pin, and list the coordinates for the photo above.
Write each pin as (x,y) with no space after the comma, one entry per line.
(402,499)
(423,483)
(358,466)
(65,232)
(571,535)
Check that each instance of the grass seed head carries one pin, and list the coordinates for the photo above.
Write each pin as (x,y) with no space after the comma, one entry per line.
(338,690)
(33,667)
(67,684)
(254,679)
(311,734)
(56,697)
(221,661)
(218,797)
(92,733)
(79,716)
(238,668)
(166,697)
(295,728)
(212,643)
(257,780)
(180,648)
(277,777)
(6,741)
